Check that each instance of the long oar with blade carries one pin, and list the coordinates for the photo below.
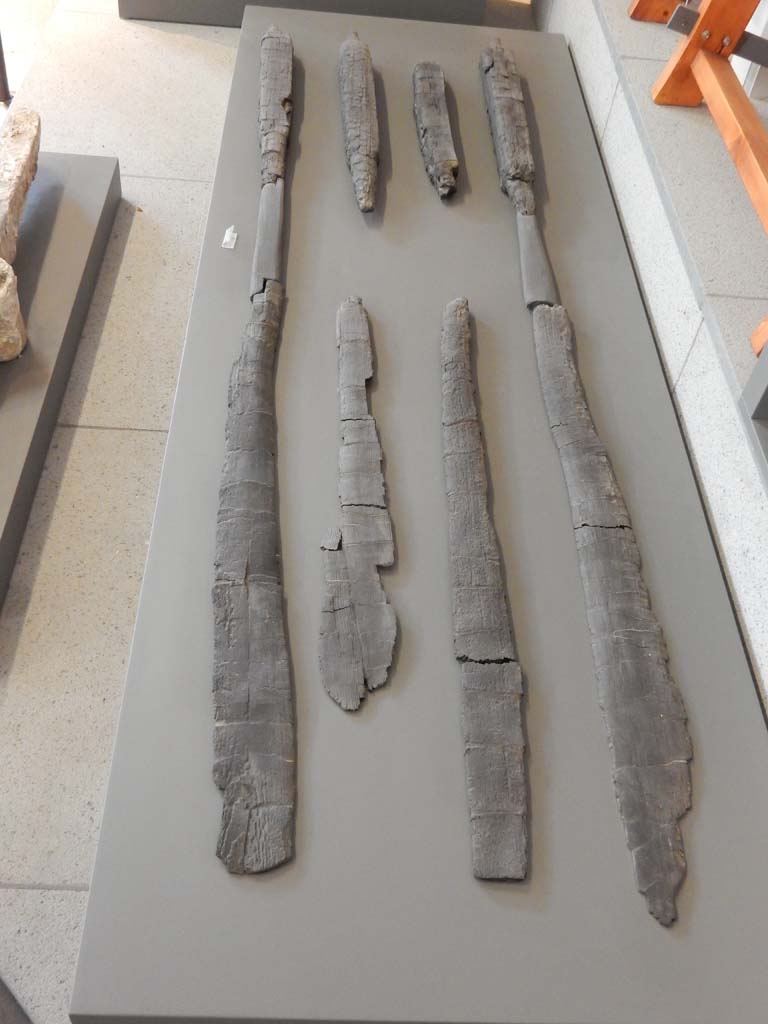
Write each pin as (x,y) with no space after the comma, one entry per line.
(641,704)
(255,730)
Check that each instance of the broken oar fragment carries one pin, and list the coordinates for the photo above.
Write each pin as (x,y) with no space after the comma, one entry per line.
(491,678)
(358,625)
(434,128)
(359,119)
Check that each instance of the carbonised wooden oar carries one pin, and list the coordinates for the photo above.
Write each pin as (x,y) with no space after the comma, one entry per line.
(359,119)
(255,732)
(491,677)
(434,127)
(358,626)
(640,701)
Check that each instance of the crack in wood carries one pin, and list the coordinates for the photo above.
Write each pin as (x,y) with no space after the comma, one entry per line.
(491,678)
(359,119)
(642,707)
(509,126)
(640,701)
(254,713)
(358,626)
(434,127)
(275,102)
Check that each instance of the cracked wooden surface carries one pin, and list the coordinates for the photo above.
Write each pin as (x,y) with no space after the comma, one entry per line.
(514,158)
(491,678)
(509,126)
(255,728)
(358,625)
(359,118)
(641,704)
(434,127)
(275,102)
(254,740)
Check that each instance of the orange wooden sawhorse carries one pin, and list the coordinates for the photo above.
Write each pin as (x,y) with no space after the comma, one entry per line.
(699,69)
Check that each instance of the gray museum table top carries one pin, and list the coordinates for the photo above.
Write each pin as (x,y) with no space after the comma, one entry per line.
(379,918)
(64,230)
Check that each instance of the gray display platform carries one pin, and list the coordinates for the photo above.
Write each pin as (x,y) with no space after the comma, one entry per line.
(379,918)
(64,231)
(230,12)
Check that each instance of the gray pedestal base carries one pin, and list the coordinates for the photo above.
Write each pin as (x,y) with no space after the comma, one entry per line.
(379,919)
(505,13)
(67,219)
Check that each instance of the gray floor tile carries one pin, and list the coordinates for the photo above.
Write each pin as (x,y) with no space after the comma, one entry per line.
(578,22)
(22,23)
(737,319)
(635,38)
(732,486)
(91,6)
(95,95)
(65,631)
(726,240)
(674,308)
(39,940)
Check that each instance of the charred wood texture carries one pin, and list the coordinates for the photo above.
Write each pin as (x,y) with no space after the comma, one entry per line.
(359,119)
(643,711)
(491,678)
(514,159)
(509,126)
(641,704)
(358,625)
(434,127)
(275,102)
(254,731)
(254,741)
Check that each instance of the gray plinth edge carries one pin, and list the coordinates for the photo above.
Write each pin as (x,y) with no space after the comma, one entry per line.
(506,13)
(382,860)
(64,232)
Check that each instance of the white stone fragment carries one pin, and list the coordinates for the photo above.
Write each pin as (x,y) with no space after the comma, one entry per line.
(13,333)
(19,148)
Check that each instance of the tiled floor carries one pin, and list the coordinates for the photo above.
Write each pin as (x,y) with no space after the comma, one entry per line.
(65,628)
(39,939)
(21,22)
